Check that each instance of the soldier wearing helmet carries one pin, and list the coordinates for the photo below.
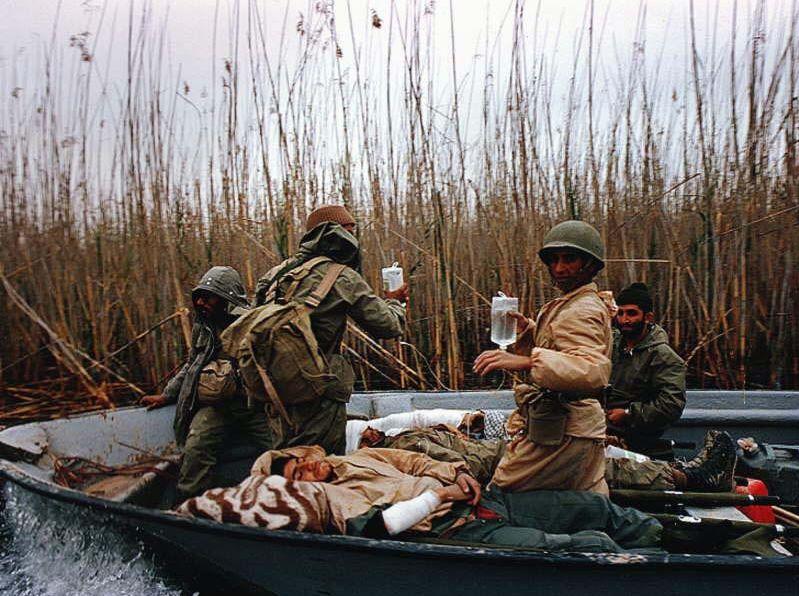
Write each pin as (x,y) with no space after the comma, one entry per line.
(558,427)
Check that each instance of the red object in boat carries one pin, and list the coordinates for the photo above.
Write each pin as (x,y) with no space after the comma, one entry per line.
(758,513)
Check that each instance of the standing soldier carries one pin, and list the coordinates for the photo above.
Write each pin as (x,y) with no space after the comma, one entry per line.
(648,377)
(210,400)
(558,428)
(329,242)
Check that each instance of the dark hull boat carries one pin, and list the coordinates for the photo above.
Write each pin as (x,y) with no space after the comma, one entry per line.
(296,563)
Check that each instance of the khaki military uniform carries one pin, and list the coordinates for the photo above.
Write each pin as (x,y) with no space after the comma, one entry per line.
(569,346)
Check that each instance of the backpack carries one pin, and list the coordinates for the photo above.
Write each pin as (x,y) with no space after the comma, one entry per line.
(277,353)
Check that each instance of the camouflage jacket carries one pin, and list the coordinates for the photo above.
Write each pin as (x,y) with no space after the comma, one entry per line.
(444,443)
(351,296)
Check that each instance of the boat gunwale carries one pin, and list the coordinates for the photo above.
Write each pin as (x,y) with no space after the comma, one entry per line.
(353,543)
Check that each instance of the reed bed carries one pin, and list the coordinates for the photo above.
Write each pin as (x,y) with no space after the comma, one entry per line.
(116,195)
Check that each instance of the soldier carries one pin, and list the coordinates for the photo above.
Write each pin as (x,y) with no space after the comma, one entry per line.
(210,400)
(442,443)
(647,378)
(711,470)
(558,429)
(330,230)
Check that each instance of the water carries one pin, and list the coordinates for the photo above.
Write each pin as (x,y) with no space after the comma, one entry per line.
(50,549)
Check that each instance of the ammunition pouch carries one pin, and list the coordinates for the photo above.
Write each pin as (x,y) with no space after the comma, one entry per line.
(218,382)
(543,412)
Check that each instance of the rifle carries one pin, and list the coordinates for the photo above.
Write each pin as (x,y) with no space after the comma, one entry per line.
(675,497)
(687,521)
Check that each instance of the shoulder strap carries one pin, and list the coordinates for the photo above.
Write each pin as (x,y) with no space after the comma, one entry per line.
(301,272)
(297,273)
(321,291)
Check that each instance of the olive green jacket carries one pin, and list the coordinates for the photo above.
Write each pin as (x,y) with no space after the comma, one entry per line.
(351,295)
(649,382)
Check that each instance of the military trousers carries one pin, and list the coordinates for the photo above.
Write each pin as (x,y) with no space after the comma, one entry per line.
(322,423)
(648,475)
(560,521)
(209,429)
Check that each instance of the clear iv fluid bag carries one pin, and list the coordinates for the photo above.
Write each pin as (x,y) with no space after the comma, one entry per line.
(503,326)
(392,277)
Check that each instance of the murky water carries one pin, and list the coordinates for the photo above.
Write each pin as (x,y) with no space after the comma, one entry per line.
(47,549)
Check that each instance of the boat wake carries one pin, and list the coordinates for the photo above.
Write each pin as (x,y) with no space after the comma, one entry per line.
(48,550)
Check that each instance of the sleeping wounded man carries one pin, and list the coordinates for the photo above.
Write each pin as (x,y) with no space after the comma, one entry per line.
(381,493)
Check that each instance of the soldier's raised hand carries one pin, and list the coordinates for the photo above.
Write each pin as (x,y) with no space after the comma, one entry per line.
(401,293)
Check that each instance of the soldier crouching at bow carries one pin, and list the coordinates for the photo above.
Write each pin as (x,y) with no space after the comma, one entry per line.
(210,400)
(558,428)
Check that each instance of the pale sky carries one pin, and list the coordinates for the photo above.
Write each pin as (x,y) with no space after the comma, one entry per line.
(198,34)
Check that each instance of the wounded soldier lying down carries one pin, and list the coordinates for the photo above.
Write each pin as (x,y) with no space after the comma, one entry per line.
(385,492)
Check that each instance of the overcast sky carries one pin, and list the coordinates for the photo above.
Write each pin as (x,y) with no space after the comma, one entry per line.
(27,24)
(198,38)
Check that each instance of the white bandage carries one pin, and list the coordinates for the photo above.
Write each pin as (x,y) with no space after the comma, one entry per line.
(406,514)
(614,452)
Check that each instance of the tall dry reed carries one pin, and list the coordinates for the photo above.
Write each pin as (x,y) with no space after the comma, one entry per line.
(116,195)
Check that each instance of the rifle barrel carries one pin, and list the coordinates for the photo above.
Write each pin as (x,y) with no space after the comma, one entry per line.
(691,498)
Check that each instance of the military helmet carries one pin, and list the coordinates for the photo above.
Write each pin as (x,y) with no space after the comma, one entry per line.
(577,235)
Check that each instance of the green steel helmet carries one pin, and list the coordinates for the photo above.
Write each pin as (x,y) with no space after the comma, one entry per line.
(577,235)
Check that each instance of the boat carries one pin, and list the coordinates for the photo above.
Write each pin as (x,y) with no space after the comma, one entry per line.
(287,563)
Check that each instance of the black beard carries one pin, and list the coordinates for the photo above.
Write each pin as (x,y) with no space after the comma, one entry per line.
(635,332)
(569,284)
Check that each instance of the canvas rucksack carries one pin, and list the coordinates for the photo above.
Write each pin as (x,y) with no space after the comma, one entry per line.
(278,356)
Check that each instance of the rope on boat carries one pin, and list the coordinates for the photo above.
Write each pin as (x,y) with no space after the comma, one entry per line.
(76,472)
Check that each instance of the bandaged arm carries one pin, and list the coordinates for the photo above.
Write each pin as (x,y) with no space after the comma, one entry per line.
(406,514)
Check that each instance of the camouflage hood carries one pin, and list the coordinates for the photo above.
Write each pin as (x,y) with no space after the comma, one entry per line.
(330,240)
(226,283)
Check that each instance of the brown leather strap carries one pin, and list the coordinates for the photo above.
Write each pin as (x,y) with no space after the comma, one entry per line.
(315,298)
(272,393)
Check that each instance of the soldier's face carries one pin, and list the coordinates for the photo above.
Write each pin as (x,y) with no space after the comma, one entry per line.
(371,437)
(207,303)
(568,269)
(631,320)
(301,468)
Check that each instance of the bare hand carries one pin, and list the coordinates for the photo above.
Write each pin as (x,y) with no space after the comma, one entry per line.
(522,322)
(499,359)
(452,493)
(470,487)
(401,293)
(153,402)
(618,417)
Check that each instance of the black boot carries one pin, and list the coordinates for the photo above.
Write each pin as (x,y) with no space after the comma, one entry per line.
(712,470)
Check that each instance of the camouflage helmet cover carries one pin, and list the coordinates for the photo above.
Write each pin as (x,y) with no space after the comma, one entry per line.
(577,235)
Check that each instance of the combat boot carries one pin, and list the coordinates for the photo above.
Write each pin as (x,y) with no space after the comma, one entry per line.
(712,469)
(701,456)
